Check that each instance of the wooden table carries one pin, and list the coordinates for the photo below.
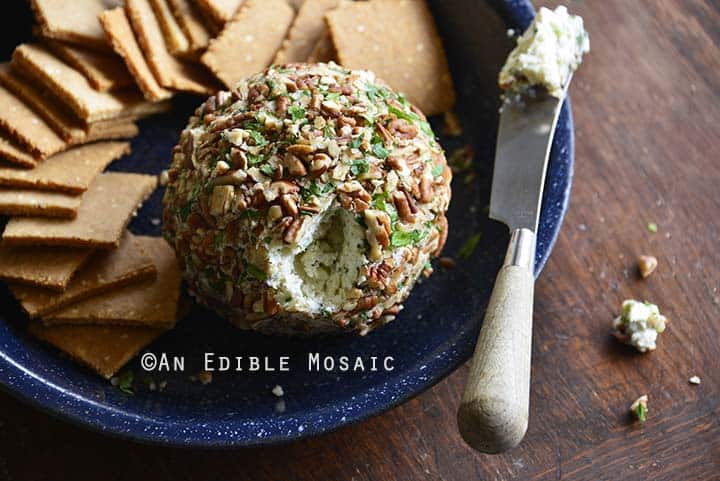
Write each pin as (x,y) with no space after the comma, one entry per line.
(647,111)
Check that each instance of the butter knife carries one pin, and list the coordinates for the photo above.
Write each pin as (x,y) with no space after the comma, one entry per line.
(494,410)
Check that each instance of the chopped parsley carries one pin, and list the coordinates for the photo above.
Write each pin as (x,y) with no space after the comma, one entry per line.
(255,272)
(652,227)
(258,138)
(250,214)
(380,202)
(437,170)
(401,238)
(641,412)
(314,190)
(356,142)
(359,167)
(267,170)
(297,113)
(125,381)
(380,151)
(184,211)
(469,247)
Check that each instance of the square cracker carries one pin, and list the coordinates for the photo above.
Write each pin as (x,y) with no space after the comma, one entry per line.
(36,203)
(169,71)
(105,210)
(48,267)
(152,303)
(324,50)
(249,41)
(220,11)
(191,24)
(397,40)
(13,153)
(104,71)
(175,39)
(118,30)
(71,171)
(50,108)
(105,271)
(75,91)
(23,124)
(72,21)
(307,29)
(104,349)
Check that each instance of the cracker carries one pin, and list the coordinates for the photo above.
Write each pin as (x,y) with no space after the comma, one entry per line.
(25,125)
(220,11)
(74,89)
(74,21)
(117,27)
(69,127)
(397,40)
(111,130)
(48,267)
(176,41)
(324,50)
(71,171)
(169,71)
(11,152)
(104,71)
(36,203)
(152,303)
(306,30)
(105,271)
(249,41)
(191,24)
(105,210)
(104,349)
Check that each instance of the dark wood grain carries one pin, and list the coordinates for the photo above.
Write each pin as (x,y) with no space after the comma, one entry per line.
(647,111)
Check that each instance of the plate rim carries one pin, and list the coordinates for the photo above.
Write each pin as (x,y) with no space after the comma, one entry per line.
(52,399)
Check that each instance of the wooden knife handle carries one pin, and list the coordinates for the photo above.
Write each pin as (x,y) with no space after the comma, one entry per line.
(493,414)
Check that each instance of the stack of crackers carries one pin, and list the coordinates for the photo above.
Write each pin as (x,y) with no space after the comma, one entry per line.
(90,287)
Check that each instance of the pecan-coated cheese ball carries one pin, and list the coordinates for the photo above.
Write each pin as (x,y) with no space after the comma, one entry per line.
(308,199)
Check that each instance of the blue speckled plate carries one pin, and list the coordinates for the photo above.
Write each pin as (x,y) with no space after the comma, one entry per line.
(431,337)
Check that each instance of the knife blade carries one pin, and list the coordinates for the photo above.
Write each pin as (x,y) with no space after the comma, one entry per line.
(524,140)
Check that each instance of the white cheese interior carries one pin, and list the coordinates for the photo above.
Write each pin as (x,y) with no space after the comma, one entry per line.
(317,275)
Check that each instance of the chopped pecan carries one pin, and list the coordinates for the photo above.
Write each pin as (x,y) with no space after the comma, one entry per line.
(378,274)
(331,108)
(294,166)
(384,133)
(270,306)
(378,232)
(402,129)
(367,302)
(426,191)
(281,105)
(284,187)
(292,231)
(300,149)
(396,163)
(222,195)
(289,205)
(443,226)
(403,205)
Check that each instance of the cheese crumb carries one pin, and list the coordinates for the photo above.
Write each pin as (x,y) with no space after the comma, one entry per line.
(278,391)
(639,325)
(547,54)
(694,380)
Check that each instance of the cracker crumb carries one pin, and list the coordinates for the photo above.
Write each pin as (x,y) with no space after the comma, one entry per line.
(694,380)
(278,391)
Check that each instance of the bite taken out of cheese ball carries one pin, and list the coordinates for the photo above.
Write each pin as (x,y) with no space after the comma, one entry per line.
(308,199)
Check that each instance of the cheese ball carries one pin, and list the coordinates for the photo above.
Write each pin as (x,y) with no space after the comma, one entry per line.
(308,199)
